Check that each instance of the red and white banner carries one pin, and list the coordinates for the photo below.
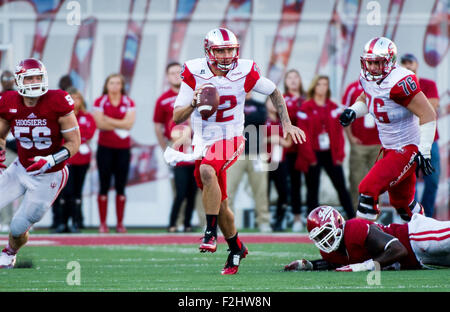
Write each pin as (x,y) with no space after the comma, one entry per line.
(284,39)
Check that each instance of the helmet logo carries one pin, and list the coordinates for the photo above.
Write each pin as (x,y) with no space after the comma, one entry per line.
(326,213)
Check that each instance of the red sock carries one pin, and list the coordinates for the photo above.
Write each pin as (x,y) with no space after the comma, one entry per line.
(102,207)
(120,208)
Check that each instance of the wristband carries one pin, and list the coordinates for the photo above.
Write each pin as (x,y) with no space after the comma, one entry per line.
(62,155)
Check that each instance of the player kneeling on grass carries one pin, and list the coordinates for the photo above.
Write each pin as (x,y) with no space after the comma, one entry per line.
(47,134)
(357,244)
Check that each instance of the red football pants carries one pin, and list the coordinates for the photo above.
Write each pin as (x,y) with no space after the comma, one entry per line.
(394,173)
(221,155)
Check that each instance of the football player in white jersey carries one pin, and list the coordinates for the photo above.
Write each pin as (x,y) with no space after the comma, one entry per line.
(406,125)
(218,140)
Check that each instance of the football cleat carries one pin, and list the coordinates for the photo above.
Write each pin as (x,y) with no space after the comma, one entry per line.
(7,261)
(209,243)
(233,261)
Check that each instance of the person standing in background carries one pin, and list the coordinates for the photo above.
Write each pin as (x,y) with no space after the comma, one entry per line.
(78,166)
(327,141)
(431,181)
(185,185)
(364,142)
(294,95)
(114,114)
(276,149)
(252,164)
(162,116)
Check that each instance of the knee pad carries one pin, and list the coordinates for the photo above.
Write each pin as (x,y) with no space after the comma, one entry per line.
(368,207)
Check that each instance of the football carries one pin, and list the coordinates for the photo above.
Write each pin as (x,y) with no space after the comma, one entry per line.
(208,101)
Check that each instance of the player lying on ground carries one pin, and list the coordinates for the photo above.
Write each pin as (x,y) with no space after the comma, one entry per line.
(47,134)
(358,244)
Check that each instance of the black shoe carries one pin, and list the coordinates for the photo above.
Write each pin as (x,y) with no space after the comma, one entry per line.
(60,228)
(233,261)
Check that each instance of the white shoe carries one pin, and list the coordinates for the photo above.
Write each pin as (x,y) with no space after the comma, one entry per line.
(297,226)
(7,261)
(265,228)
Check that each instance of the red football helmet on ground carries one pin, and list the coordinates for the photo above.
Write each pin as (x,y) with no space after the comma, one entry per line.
(221,38)
(326,228)
(378,49)
(31,67)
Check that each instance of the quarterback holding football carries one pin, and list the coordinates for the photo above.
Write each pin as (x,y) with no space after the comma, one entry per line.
(218,128)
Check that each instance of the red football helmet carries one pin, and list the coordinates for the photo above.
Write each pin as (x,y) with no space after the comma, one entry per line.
(31,67)
(326,228)
(378,49)
(220,38)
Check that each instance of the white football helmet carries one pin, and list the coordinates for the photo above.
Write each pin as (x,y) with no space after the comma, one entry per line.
(31,67)
(326,228)
(378,49)
(220,38)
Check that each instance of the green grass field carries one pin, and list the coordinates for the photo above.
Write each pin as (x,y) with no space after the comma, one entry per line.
(181,268)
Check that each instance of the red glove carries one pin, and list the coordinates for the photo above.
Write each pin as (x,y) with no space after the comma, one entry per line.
(41,164)
(2,159)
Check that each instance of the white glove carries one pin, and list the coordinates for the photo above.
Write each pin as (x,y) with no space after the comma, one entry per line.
(41,164)
(368,265)
(172,157)
(299,265)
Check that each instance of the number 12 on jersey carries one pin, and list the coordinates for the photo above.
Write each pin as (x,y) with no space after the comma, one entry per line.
(231,102)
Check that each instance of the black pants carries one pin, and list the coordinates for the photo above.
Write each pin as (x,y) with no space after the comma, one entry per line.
(279,178)
(113,162)
(71,194)
(336,175)
(295,183)
(186,188)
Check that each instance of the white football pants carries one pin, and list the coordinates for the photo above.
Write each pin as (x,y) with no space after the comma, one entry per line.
(430,240)
(39,192)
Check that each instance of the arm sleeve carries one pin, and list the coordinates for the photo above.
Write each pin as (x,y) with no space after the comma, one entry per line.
(185,95)
(404,90)
(264,86)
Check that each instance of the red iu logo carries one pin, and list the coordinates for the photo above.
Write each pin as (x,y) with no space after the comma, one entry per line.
(53,185)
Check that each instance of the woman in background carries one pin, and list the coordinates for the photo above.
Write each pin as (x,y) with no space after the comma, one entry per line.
(78,166)
(294,95)
(114,114)
(276,150)
(326,139)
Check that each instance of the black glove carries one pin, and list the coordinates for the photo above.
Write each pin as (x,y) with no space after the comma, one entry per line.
(347,117)
(424,164)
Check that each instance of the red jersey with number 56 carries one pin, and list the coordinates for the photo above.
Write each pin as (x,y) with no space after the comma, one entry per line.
(387,102)
(228,121)
(36,129)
